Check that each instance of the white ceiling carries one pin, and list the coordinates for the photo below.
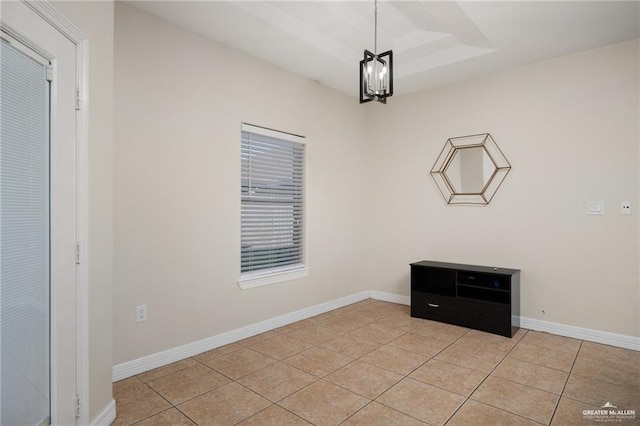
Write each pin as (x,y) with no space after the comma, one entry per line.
(434,42)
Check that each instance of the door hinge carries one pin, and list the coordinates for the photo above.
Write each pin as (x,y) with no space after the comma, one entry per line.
(77,253)
(78,405)
(49,72)
(79,100)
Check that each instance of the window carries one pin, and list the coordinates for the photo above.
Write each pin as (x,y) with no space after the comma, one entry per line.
(272,213)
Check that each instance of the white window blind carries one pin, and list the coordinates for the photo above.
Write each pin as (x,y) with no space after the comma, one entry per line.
(272,193)
(24,239)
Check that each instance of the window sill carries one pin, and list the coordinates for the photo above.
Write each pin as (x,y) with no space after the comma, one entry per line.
(261,279)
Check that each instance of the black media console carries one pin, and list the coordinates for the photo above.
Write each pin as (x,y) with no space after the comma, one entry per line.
(479,297)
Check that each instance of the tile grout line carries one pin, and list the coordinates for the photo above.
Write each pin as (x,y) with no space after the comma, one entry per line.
(203,393)
(371,401)
(404,332)
(566,382)
(360,359)
(529,386)
(534,364)
(545,366)
(474,389)
(317,377)
(351,362)
(385,406)
(198,395)
(148,417)
(157,393)
(323,377)
(261,396)
(186,415)
(189,399)
(411,372)
(486,377)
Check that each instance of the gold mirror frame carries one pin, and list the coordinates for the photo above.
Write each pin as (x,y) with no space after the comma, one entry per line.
(454,146)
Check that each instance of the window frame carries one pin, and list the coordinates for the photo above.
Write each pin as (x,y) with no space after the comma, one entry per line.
(273,275)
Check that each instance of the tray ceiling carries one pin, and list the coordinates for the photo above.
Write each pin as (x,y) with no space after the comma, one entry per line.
(434,42)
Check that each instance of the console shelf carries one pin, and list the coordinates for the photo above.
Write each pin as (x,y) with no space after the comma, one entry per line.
(479,297)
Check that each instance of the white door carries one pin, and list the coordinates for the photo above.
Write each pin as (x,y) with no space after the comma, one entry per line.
(30,39)
(24,241)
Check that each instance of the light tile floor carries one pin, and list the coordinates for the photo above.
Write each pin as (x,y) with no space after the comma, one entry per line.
(370,363)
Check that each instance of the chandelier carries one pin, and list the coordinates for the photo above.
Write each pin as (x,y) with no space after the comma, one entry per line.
(376,70)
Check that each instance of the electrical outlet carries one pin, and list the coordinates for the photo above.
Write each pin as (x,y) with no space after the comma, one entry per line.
(625,207)
(141,313)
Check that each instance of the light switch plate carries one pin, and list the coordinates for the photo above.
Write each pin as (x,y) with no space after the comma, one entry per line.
(595,207)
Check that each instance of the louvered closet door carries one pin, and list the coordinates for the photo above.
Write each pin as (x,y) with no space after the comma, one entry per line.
(24,239)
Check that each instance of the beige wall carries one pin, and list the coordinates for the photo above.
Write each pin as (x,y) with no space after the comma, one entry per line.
(179,102)
(570,128)
(95,20)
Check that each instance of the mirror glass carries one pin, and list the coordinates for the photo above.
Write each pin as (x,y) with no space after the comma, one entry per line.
(469,170)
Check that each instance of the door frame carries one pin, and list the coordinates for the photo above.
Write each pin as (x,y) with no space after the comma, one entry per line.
(51,16)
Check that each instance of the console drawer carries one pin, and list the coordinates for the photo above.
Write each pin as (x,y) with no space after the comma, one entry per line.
(433,306)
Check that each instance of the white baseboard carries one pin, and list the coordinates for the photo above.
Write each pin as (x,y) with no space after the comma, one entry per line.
(107,416)
(597,336)
(618,340)
(390,297)
(149,362)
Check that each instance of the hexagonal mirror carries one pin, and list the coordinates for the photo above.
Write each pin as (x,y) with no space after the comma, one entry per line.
(470,169)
